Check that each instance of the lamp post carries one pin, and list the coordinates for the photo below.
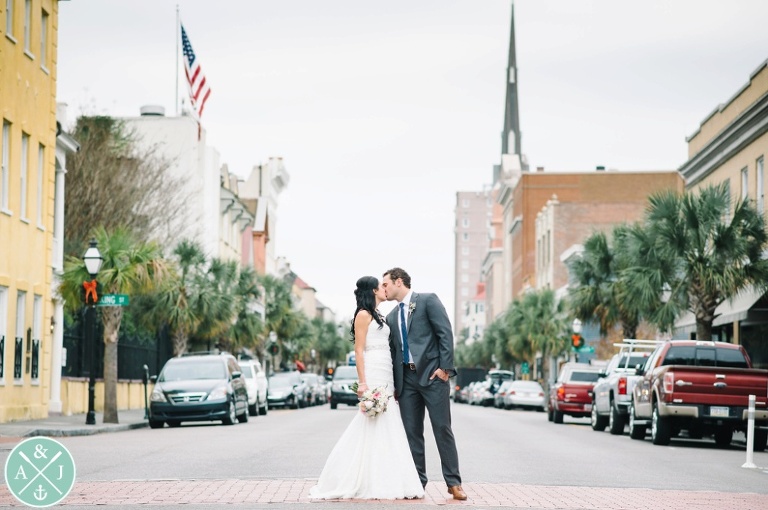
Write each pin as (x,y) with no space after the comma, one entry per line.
(92,259)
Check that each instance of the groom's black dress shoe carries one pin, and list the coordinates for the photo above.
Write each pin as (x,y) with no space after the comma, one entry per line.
(457,492)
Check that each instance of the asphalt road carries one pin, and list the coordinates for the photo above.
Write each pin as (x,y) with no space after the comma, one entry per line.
(495,446)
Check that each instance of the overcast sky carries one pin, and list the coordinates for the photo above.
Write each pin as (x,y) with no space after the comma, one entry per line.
(382,111)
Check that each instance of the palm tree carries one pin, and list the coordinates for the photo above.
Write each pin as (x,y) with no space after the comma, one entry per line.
(600,294)
(281,317)
(330,346)
(693,253)
(219,281)
(129,267)
(248,329)
(537,322)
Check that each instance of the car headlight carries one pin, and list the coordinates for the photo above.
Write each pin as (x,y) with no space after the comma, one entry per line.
(220,392)
(157,396)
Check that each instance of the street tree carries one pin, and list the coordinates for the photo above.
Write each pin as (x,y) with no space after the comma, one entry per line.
(114,181)
(599,294)
(693,252)
(129,267)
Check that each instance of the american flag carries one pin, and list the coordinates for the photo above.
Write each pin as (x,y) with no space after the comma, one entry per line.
(198,88)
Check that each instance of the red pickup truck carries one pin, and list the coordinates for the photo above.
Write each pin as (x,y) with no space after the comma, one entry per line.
(572,393)
(700,387)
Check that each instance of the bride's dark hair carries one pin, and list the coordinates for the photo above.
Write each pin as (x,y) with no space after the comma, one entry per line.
(366,301)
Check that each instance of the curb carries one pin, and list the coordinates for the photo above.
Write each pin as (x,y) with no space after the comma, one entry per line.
(83,432)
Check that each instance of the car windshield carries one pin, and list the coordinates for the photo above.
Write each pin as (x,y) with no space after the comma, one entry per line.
(247,370)
(283,381)
(345,373)
(584,376)
(630,362)
(190,370)
(704,357)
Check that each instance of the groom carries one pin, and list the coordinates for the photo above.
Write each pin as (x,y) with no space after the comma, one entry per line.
(421,343)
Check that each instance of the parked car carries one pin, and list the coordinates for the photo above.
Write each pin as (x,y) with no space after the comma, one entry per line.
(286,389)
(525,394)
(498,398)
(256,383)
(572,393)
(343,378)
(612,393)
(198,387)
(316,386)
(701,387)
(465,376)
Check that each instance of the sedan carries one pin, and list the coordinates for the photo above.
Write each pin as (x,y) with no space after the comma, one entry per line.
(525,394)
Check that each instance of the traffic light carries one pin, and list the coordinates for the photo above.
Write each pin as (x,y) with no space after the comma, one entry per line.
(274,349)
(577,341)
(329,371)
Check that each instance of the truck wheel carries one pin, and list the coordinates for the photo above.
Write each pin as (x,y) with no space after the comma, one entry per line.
(550,416)
(557,416)
(661,431)
(760,440)
(598,422)
(723,436)
(615,421)
(231,416)
(636,431)
(154,424)
(334,405)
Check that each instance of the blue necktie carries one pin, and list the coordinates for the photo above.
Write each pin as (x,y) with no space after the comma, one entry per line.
(404,333)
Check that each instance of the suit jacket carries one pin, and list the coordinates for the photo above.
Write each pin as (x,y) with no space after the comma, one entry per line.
(430,339)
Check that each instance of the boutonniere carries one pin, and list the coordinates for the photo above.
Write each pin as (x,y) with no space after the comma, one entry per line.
(411,307)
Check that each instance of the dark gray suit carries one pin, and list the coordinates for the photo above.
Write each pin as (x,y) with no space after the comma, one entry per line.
(430,341)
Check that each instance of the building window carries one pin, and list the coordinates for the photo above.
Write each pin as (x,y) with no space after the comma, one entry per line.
(744,183)
(464,291)
(37,329)
(465,202)
(44,40)
(3,330)
(18,350)
(6,161)
(465,264)
(465,236)
(24,175)
(27,23)
(9,18)
(465,222)
(760,194)
(465,250)
(464,278)
(40,183)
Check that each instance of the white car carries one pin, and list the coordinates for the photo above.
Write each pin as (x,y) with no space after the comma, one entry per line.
(256,383)
(527,394)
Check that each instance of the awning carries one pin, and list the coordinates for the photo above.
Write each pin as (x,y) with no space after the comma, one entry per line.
(735,309)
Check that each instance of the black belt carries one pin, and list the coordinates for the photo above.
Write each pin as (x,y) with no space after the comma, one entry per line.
(410,366)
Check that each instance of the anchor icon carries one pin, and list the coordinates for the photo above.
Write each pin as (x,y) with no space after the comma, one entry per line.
(40,494)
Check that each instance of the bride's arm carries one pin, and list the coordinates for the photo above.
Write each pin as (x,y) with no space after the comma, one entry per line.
(362,320)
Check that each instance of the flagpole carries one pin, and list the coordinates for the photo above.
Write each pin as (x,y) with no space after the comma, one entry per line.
(178,35)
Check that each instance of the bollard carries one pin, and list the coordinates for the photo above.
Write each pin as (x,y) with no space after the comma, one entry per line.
(145,380)
(750,433)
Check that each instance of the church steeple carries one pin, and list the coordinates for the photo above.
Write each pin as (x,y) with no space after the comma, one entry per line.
(510,137)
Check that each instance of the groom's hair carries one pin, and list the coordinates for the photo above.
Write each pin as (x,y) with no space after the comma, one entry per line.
(396,273)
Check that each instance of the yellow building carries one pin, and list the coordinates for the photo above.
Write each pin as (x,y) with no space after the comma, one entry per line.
(28,34)
(730,146)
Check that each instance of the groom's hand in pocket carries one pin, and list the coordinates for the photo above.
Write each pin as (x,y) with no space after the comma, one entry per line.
(440,374)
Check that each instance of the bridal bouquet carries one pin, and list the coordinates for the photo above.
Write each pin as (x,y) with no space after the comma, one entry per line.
(374,401)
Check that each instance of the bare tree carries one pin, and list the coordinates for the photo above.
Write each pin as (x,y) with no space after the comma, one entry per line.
(117,181)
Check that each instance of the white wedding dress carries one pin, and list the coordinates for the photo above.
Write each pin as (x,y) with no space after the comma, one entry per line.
(372,459)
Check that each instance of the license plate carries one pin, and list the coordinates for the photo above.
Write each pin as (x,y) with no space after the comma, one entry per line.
(720,412)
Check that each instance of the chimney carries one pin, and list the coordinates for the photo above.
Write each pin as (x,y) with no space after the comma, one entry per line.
(152,110)
(539,168)
(600,168)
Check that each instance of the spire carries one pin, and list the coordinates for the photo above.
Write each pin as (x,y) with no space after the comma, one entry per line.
(510,137)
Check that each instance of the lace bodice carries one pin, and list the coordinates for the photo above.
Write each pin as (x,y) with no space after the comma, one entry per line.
(377,338)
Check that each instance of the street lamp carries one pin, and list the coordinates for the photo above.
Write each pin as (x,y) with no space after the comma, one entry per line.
(92,259)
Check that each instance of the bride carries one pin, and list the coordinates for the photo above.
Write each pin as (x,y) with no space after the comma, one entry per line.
(371,460)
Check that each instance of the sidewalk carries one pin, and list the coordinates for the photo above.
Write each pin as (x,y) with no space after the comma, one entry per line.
(59,426)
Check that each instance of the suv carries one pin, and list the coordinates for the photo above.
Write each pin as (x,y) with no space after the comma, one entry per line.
(343,378)
(286,389)
(198,387)
(572,393)
(256,384)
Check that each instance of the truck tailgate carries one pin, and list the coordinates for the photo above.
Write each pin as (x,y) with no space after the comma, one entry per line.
(715,385)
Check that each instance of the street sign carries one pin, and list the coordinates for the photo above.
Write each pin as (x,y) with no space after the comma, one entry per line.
(113,300)
(524,368)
